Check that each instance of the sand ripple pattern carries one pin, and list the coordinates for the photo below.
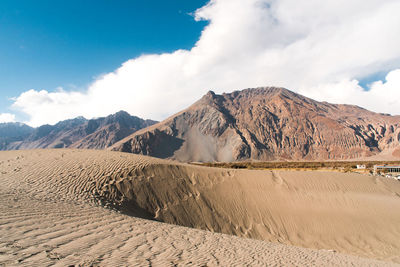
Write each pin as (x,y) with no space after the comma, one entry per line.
(52,213)
(46,233)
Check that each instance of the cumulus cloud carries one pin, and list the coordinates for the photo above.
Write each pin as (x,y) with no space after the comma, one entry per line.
(7,117)
(379,96)
(318,48)
(50,107)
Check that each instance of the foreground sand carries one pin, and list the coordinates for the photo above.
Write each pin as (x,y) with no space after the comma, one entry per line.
(50,213)
(37,232)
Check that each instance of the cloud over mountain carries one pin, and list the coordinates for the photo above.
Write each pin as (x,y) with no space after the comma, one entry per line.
(7,117)
(321,49)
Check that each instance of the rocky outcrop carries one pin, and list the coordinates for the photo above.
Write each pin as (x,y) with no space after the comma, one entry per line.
(267,124)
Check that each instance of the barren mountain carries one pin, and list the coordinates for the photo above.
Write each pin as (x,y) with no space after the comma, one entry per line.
(81,133)
(104,132)
(12,132)
(267,124)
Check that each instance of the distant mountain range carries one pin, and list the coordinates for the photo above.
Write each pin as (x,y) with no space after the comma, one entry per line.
(97,133)
(253,124)
(267,124)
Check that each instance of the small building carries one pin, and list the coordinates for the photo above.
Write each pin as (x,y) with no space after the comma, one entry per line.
(361,167)
(393,169)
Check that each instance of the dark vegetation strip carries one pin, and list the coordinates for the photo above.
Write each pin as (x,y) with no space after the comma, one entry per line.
(312,165)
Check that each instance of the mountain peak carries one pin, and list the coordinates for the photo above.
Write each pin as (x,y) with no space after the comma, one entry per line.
(266,123)
(210,94)
(122,113)
(264,92)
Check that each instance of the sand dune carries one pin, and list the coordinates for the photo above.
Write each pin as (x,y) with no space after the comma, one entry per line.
(54,233)
(50,213)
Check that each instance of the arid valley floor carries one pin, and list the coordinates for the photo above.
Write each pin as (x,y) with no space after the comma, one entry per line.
(104,208)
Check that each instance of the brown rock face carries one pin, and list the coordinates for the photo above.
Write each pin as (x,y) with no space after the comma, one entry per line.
(267,124)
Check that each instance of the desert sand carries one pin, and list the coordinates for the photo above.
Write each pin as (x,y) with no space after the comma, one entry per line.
(84,207)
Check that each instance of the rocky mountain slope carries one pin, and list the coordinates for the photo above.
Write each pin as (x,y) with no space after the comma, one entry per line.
(267,124)
(78,133)
(13,132)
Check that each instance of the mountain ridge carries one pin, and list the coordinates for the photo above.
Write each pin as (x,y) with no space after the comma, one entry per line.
(97,133)
(266,123)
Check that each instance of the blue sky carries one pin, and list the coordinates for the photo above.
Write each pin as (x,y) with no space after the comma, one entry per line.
(64,59)
(45,44)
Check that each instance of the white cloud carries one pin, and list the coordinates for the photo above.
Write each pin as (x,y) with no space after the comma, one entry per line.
(7,117)
(50,107)
(381,96)
(318,48)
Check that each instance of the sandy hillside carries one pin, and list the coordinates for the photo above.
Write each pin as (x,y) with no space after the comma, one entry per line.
(49,213)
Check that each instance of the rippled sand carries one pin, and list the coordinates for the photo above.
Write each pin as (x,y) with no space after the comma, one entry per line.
(52,212)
